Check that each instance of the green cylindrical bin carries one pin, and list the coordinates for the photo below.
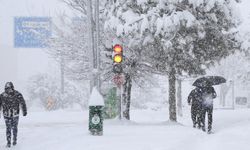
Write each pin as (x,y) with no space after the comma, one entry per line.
(96,107)
(96,120)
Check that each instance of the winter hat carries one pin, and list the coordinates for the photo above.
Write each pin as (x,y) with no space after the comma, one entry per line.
(9,85)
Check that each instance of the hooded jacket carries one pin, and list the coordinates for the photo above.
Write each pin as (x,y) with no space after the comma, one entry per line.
(11,101)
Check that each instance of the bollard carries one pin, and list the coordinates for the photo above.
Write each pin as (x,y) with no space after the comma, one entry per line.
(96,107)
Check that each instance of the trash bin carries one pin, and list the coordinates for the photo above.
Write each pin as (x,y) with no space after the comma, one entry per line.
(96,120)
(96,107)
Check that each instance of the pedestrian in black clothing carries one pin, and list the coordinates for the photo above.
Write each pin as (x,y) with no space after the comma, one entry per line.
(10,103)
(195,100)
(207,107)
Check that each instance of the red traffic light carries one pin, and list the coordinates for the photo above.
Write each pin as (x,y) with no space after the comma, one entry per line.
(117,48)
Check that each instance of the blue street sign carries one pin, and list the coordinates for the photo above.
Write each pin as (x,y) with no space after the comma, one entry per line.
(31,32)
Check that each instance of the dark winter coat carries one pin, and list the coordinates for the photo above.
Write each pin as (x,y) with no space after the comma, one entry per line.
(10,103)
(195,97)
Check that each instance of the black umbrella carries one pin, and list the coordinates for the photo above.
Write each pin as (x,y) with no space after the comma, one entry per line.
(209,81)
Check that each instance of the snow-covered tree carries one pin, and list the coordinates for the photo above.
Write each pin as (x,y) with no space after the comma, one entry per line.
(69,47)
(45,89)
(229,68)
(176,36)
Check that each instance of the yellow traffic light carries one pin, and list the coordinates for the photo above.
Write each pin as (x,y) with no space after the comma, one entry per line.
(117,58)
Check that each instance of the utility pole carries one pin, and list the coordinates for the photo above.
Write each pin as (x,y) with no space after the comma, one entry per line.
(95,110)
(92,44)
(94,37)
(97,44)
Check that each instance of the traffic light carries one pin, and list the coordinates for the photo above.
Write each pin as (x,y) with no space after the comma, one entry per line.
(117,58)
(117,53)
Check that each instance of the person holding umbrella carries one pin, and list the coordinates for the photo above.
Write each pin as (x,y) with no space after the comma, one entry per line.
(207,107)
(207,95)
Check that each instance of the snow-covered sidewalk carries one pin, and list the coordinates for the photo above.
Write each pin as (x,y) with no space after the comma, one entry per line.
(148,130)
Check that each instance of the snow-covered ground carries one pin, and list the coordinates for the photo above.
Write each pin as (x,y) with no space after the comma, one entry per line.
(148,130)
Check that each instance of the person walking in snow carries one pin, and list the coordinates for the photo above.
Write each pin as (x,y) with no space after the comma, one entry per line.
(195,100)
(10,103)
(207,107)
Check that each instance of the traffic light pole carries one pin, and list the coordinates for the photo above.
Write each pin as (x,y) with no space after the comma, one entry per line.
(118,93)
(118,78)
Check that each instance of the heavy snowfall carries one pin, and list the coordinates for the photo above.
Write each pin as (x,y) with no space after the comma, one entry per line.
(125,74)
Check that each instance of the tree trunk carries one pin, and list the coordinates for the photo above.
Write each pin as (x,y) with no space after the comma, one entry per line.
(127,96)
(172,96)
(179,98)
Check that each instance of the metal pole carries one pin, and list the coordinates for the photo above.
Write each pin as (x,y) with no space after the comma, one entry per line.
(91,41)
(121,102)
(97,44)
(118,93)
(62,76)
(233,95)
(91,35)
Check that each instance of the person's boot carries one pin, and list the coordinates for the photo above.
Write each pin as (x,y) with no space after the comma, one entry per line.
(14,143)
(14,140)
(209,130)
(8,145)
(203,129)
(199,123)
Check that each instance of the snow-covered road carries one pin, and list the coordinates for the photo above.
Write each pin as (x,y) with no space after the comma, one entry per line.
(149,130)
